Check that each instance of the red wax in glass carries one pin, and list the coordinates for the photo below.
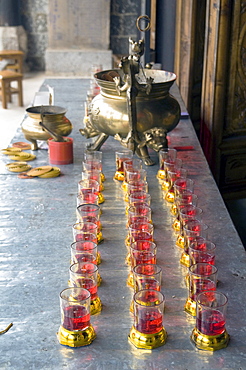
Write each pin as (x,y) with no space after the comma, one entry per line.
(75,318)
(147,283)
(85,257)
(83,236)
(149,322)
(88,284)
(144,257)
(210,322)
(201,285)
(141,235)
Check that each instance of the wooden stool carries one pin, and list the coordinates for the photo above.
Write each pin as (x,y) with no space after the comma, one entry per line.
(14,59)
(6,77)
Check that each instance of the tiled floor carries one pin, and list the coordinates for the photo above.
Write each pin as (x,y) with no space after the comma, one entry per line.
(11,119)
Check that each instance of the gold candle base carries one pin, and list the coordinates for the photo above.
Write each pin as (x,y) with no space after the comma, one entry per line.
(161,174)
(99,259)
(209,342)
(176,226)
(119,176)
(165,185)
(96,306)
(100,238)
(185,259)
(76,338)
(169,197)
(102,177)
(174,210)
(101,198)
(127,241)
(180,242)
(124,185)
(128,259)
(147,341)
(130,281)
(190,307)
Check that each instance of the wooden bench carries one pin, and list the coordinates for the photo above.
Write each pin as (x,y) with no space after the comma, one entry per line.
(6,78)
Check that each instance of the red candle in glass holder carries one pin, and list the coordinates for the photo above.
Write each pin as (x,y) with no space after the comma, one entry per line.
(82,229)
(84,252)
(85,275)
(148,311)
(202,250)
(142,252)
(75,308)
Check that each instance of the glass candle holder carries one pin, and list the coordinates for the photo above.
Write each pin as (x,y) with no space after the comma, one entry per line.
(120,158)
(134,228)
(88,191)
(181,184)
(141,252)
(136,175)
(143,230)
(202,277)
(210,331)
(131,165)
(95,175)
(169,165)
(165,154)
(146,276)
(192,229)
(186,213)
(85,275)
(85,251)
(91,213)
(82,229)
(184,199)
(138,197)
(148,331)
(202,250)
(94,156)
(172,176)
(75,329)
(138,211)
(133,186)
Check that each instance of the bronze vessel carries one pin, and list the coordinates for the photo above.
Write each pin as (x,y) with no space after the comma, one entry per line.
(54,119)
(134,106)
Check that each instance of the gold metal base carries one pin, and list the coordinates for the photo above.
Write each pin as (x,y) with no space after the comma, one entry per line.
(130,281)
(169,197)
(96,306)
(127,241)
(180,242)
(210,342)
(76,338)
(119,176)
(99,259)
(128,259)
(102,177)
(161,174)
(100,238)
(147,341)
(101,198)
(176,225)
(165,185)
(124,185)
(190,307)
(185,259)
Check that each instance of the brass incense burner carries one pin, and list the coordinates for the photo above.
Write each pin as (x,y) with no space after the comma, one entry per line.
(134,106)
(53,118)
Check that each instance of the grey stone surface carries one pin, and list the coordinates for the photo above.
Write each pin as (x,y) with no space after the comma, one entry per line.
(76,62)
(35,224)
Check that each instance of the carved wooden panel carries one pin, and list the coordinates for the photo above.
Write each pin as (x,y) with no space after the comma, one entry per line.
(189,48)
(224,93)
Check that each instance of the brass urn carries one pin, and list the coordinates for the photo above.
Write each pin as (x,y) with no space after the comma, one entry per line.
(54,119)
